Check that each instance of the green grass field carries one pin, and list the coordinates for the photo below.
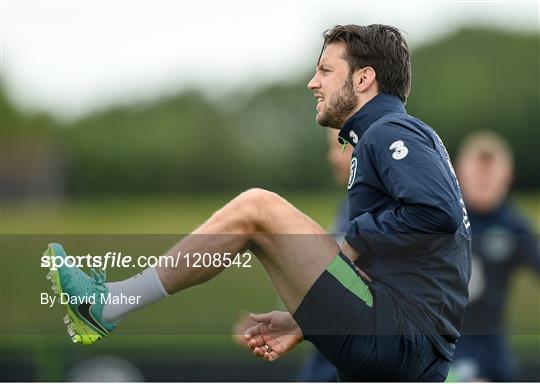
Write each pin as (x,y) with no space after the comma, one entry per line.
(200,316)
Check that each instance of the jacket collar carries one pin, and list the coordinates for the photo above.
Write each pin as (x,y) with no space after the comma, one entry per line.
(381,105)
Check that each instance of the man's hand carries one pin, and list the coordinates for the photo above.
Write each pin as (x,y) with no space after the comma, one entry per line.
(275,334)
(242,324)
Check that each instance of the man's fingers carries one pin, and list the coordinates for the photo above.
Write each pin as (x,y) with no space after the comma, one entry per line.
(260,317)
(256,341)
(242,324)
(270,356)
(252,331)
(258,352)
(254,336)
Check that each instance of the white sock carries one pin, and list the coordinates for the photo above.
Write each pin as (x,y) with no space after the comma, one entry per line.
(144,287)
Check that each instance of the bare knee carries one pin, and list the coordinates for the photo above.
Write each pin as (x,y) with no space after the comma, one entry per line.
(258,204)
(248,214)
(259,196)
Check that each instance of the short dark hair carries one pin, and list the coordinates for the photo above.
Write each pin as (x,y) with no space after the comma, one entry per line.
(381,47)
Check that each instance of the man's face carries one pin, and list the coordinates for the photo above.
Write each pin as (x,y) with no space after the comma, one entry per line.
(484,179)
(333,87)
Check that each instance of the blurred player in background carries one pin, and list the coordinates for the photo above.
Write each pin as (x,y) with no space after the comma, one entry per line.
(502,242)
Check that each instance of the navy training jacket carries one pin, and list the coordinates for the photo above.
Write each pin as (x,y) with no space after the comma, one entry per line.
(407,217)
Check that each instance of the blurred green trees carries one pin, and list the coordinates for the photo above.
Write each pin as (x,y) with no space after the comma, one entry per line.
(483,79)
(473,79)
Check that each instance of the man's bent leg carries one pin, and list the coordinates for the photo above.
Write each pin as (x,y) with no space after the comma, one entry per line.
(293,249)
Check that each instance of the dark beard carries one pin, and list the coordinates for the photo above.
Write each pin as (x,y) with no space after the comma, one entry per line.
(339,106)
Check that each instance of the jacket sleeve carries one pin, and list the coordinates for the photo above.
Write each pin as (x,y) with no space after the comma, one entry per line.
(415,172)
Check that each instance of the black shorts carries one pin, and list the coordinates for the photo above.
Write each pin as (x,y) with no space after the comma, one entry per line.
(359,328)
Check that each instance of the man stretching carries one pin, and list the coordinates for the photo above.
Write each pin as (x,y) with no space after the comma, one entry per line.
(388,303)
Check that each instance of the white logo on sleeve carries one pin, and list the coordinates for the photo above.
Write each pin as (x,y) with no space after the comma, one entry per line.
(400,150)
(352,174)
(354,137)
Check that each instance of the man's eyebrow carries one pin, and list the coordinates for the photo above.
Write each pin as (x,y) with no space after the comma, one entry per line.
(320,65)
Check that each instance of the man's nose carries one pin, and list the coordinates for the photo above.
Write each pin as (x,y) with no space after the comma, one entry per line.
(314,83)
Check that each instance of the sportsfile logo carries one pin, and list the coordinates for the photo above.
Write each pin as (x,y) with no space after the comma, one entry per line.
(116,259)
(112,259)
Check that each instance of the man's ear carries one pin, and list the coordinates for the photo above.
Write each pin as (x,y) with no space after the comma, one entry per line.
(364,79)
